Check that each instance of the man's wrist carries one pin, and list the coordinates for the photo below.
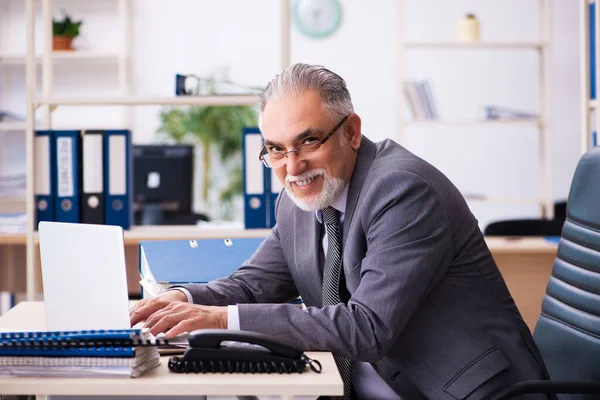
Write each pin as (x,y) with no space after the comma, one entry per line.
(224,317)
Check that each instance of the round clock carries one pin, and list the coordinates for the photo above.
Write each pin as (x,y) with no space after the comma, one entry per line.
(317,18)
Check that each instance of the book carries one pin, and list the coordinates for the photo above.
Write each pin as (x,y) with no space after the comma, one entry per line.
(86,353)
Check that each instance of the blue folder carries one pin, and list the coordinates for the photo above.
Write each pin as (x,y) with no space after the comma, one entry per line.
(67,159)
(117,178)
(44,186)
(256,181)
(194,261)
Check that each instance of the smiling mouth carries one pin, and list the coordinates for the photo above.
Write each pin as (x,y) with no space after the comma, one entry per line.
(304,182)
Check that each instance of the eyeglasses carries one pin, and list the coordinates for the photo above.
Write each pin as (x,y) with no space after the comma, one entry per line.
(274,158)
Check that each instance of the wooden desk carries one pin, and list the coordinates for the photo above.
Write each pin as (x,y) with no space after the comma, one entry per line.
(525,263)
(160,381)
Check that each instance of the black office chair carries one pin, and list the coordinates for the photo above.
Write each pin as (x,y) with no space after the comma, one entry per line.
(530,227)
(525,227)
(568,330)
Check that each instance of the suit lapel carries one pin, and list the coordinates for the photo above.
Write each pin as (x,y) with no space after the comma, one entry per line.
(366,154)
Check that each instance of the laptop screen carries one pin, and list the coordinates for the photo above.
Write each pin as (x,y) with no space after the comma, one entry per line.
(84,276)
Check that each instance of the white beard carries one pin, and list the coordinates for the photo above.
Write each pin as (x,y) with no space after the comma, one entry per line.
(332,188)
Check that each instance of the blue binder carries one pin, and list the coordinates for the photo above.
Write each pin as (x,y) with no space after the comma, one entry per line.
(171,262)
(256,181)
(117,178)
(67,160)
(44,164)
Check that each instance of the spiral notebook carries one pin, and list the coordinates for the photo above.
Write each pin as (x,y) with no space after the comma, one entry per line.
(86,353)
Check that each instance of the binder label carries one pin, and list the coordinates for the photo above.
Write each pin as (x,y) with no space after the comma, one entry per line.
(42,165)
(92,164)
(64,162)
(276,186)
(117,146)
(254,169)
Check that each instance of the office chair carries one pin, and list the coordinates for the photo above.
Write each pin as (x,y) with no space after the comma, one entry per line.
(530,227)
(525,227)
(568,330)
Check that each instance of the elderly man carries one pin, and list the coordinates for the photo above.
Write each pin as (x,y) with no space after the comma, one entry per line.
(396,276)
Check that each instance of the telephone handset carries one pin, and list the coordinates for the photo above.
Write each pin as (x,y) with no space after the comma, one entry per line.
(223,350)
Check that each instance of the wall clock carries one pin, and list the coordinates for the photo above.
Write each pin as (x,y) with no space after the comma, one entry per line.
(317,18)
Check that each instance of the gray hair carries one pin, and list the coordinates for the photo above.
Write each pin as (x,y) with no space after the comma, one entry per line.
(298,78)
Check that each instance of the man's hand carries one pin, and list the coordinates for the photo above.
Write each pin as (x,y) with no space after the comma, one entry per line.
(177,318)
(146,307)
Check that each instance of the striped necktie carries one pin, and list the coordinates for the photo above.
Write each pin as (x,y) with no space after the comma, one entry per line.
(331,284)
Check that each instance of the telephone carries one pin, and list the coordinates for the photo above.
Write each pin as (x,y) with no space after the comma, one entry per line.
(222,350)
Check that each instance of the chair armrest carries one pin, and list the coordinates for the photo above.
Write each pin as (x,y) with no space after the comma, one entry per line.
(549,387)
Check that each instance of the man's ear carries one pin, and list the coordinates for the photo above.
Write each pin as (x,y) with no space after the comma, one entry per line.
(353,131)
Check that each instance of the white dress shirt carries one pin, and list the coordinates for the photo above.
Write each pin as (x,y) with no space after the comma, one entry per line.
(367,383)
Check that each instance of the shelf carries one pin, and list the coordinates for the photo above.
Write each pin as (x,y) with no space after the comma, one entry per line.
(16,58)
(172,232)
(479,45)
(496,244)
(502,121)
(504,200)
(12,238)
(12,204)
(12,126)
(181,232)
(521,245)
(224,100)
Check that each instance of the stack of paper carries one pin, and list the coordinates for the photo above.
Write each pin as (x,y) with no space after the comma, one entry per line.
(94,353)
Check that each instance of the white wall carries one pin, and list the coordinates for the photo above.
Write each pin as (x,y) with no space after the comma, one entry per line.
(200,36)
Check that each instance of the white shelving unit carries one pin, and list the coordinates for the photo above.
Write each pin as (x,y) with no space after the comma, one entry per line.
(543,124)
(230,100)
(483,45)
(125,99)
(515,121)
(589,107)
(15,58)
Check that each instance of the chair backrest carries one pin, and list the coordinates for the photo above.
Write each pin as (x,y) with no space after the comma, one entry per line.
(525,227)
(568,330)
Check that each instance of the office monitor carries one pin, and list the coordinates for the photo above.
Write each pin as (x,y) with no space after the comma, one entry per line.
(163,184)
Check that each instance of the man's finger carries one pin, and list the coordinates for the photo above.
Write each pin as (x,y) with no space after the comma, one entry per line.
(166,322)
(186,325)
(146,310)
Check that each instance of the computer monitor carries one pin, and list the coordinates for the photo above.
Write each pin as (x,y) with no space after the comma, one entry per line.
(163,184)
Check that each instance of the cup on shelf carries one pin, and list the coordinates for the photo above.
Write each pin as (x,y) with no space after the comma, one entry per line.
(468,29)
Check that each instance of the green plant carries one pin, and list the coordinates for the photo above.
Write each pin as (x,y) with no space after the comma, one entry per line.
(65,26)
(218,129)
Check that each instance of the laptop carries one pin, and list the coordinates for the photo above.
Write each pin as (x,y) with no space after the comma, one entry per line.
(84,276)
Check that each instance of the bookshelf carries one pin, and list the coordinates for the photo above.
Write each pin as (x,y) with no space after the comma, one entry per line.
(590,117)
(16,58)
(540,48)
(480,45)
(463,122)
(45,59)
(229,100)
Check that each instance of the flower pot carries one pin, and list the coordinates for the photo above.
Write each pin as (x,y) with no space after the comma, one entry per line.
(62,43)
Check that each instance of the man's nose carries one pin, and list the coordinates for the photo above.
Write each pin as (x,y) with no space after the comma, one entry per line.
(294,164)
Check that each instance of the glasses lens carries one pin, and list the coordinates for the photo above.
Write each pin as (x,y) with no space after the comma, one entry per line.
(275,159)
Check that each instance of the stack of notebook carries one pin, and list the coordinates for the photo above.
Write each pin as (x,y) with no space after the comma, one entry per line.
(93,353)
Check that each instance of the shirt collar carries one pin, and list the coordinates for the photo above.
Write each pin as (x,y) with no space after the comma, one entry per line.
(339,204)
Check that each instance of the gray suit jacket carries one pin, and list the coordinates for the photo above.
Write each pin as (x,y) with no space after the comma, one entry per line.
(427,302)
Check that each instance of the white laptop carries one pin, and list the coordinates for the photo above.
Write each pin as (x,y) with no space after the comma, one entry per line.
(84,276)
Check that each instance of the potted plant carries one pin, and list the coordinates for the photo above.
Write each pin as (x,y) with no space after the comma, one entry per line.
(64,30)
(218,130)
